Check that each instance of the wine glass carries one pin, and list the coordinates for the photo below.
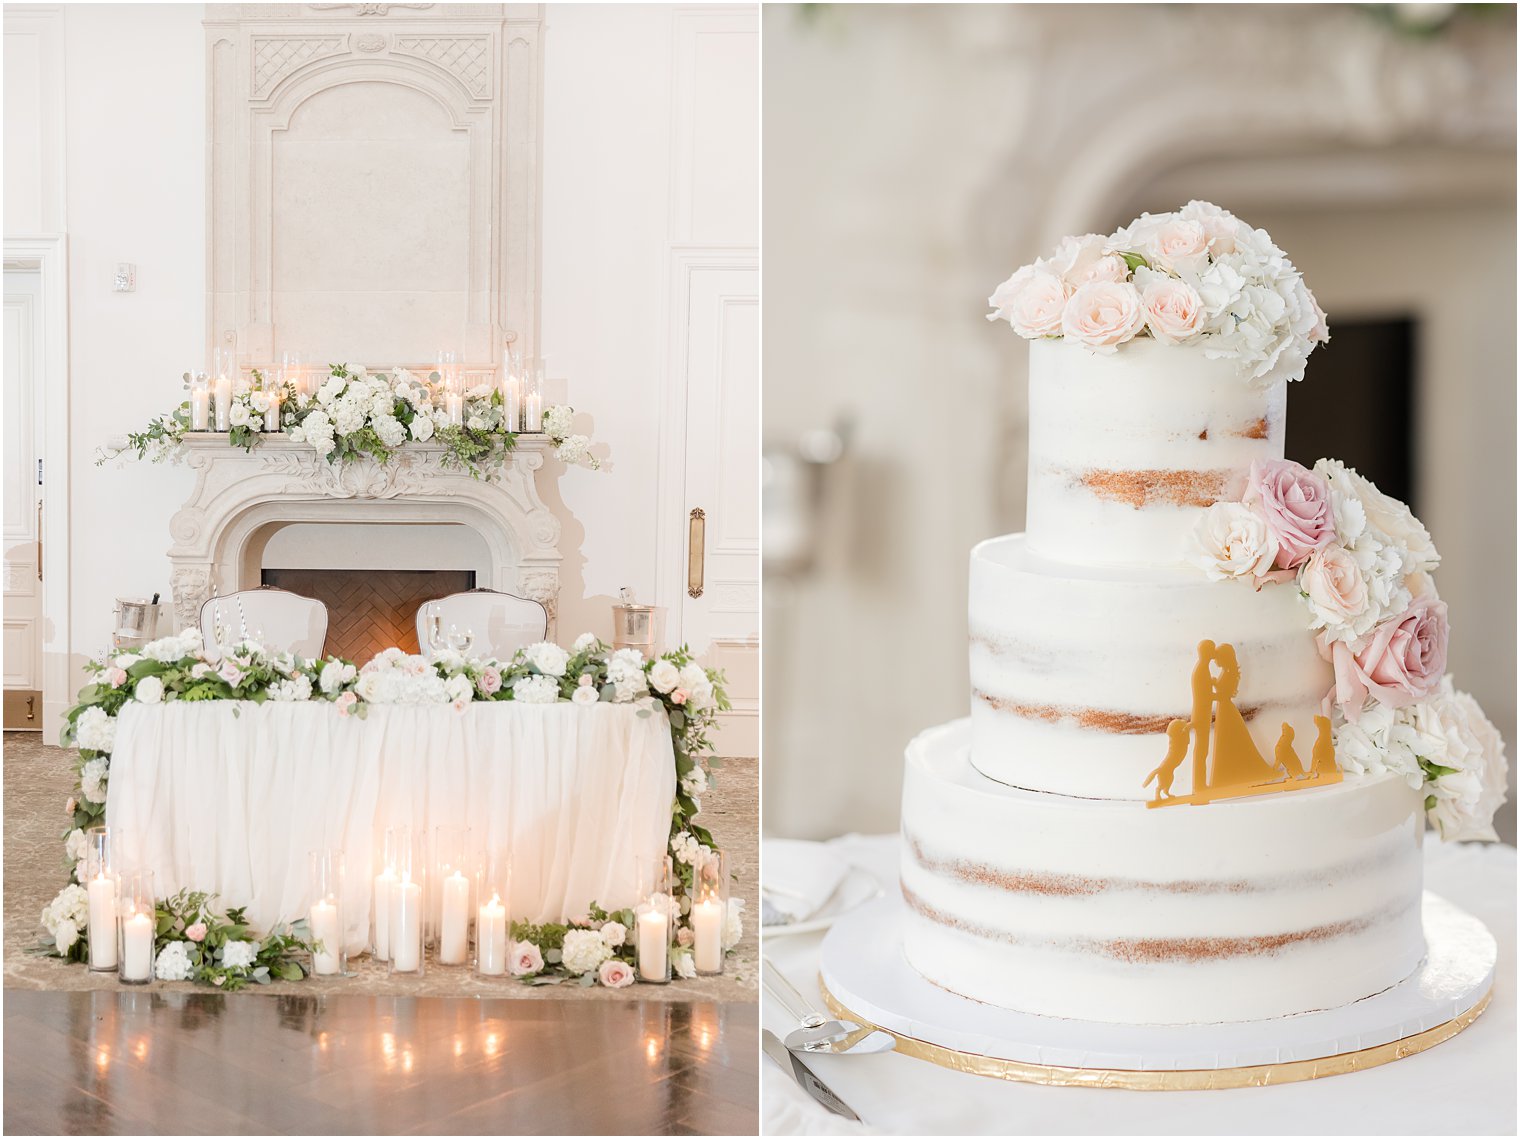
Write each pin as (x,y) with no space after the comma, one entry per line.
(434,627)
(460,640)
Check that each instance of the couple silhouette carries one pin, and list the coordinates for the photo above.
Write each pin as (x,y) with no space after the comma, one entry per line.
(1218,728)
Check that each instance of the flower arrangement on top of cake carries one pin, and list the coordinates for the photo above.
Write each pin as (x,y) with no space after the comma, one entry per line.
(1199,276)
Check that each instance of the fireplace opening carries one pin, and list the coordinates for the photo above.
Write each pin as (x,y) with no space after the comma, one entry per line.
(369,611)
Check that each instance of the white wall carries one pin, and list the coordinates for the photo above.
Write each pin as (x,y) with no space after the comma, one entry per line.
(136,191)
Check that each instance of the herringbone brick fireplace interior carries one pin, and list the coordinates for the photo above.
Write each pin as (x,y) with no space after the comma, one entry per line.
(370,610)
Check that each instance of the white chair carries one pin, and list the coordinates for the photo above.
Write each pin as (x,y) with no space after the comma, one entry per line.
(279,620)
(498,624)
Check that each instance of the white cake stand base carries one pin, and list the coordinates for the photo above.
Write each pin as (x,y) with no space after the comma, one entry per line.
(867,978)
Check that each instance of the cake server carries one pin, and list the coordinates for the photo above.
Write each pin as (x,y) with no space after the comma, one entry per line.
(804,1076)
(816,1032)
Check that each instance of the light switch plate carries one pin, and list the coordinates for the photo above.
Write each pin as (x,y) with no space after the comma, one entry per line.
(126,277)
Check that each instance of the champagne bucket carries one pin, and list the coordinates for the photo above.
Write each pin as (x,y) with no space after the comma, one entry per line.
(639,627)
(136,620)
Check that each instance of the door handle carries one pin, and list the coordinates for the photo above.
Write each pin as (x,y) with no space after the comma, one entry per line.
(696,545)
(39,539)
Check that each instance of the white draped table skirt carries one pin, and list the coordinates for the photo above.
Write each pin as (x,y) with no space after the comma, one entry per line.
(230,797)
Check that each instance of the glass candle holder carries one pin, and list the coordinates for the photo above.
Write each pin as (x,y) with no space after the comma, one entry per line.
(273,388)
(533,398)
(293,374)
(453,880)
(101,883)
(654,929)
(200,402)
(493,915)
(380,898)
(405,908)
(328,958)
(449,376)
(511,390)
(709,911)
(137,922)
(224,371)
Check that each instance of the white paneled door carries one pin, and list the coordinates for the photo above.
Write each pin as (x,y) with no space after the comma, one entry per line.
(23,503)
(717,366)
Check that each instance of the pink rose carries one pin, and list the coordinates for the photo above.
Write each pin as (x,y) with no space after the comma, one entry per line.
(1035,310)
(678,697)
(1177,243)
(1109,267)
(1295,504)
(1103,315)
(585,680)
(490,680)
(615,974)
(116,677)
(1335,585)
(71,806)
(526,960)
(196,932)
(345,703)
(684,936)
(231,673)
(1173,310)
(1074,257)
(1401,663)
(1221,226)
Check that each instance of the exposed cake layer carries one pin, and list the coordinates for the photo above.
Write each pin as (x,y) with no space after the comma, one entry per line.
(1076,671)
(1240,910)
(1126,450)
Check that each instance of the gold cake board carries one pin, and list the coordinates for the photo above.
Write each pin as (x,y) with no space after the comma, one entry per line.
(865,977)
(1188,1080)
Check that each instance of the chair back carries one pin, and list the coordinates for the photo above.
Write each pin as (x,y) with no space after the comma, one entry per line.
(498,623)
(279,620)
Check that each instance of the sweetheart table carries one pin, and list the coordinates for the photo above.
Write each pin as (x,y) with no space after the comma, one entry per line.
(230,796)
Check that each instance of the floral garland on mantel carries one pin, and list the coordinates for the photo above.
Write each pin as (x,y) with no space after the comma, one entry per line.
(199,942)
(356,414)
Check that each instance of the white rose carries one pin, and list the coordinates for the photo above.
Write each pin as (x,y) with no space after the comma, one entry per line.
(1456,734)
(1175,243)
(583,951)
(664,676)
(547,657)
(76,845)
(683,966)
(584,695)
(334,675)
(239,414)
(422,427)
(614,934)
(1173,308)
(65,935)
(1336,590)
(1102,315)
(1036,309)
(92,778)
(459,687)
(1231,541)
(1076,259)
(149,690)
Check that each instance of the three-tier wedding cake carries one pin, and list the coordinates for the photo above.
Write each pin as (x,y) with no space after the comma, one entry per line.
(1142,820)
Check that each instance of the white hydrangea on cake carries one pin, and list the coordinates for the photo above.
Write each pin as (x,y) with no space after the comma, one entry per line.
(1198,276)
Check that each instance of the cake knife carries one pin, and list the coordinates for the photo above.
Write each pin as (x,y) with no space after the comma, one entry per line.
(806,1080)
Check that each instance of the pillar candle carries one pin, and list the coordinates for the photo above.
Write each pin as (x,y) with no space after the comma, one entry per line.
(533,416)
(707,935)
(272,412)
(102,894)
(383,883)
(223,403)
(511,403)
(454,404)
(326,932)
(200,409)
(406,925)
(137,947)
(653,945)
(454,931)
(491,938)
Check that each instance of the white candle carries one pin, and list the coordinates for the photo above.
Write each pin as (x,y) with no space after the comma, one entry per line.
(454,932)
(653,945)
(454,405)
(328,936)
(137,947)
(406,925)
(491,938)
(102,893)
(272,412)
(223,403)
(707,935)
(533,417)
(383,883)
(200,409)
(511,404)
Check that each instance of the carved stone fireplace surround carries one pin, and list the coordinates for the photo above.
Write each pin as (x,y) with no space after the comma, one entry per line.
(240,498)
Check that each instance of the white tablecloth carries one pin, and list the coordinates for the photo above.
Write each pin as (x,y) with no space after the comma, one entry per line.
(230,797)
(1465,1086)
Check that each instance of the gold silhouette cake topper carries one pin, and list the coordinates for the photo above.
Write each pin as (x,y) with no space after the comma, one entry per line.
(1217,728)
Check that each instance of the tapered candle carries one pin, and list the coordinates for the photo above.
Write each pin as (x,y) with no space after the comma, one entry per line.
(327,936)
(454,932)
(653,945)
(223,403)
(383,883)
(102,895)
(137,947)
(707,935)
(200,409)
(491,938)
(406,925)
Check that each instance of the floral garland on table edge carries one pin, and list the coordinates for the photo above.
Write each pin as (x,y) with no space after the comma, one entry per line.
(1197,276)
(355,414)
(202,944)
(1362,563)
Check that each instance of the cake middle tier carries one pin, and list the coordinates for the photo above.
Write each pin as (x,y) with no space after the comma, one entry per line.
(1076,671)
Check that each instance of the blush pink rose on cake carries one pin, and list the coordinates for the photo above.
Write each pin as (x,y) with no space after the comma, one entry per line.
(1294,502)
(1402,661)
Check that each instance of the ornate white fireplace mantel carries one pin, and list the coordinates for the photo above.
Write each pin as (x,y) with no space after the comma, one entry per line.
(241,498)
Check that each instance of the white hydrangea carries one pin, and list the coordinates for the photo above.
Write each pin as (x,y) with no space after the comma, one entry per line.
(239,954)
(614,934)
(557,420)
(149,690)
(535,690)
(291,691)
(173,962)
(687,849)
(391,430)
(1459,739)
(1379,743)
(173,648)
(94,730)
(733,923)
(72,905)
(583,951)
(625,671)
(65,935)
(574,450)
(75,846)
(92,781)
(547,657)
(695,782)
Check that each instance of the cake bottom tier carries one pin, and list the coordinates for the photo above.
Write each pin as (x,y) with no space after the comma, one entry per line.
(1105,910)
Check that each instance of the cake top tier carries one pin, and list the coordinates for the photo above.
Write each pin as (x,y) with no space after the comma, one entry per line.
(1199,277)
